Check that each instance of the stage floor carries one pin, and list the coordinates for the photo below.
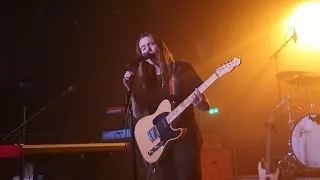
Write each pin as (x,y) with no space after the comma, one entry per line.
(251,177)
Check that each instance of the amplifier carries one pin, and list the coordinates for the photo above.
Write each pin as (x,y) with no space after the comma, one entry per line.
(116,135)
(216,161)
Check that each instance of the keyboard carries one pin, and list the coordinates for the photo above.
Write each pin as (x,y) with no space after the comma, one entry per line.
(7,151)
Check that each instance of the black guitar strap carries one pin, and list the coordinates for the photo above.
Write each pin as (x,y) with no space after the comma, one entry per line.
(171,86)
(173,89)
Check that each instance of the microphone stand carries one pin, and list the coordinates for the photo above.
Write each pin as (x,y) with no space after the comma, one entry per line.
(128,116)
(276,58)
(24,127)
(26,121)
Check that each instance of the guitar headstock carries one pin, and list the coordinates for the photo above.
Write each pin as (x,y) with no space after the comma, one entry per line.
(228,67)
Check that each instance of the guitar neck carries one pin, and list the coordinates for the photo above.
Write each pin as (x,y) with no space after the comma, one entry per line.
(186,103)
(268,151)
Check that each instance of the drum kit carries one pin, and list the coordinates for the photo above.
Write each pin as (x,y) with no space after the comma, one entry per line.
(304,143)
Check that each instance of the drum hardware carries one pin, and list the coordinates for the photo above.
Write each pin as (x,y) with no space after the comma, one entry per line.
(291,121)
(303,144)
(287,101)
(288,166)
(315,119)
(311,101)
(301,79)
(301,111)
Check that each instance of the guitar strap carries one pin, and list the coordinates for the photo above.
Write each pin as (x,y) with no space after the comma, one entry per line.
(173,90)
(172,86)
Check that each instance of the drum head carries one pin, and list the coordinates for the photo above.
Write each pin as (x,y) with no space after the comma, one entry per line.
(305,141)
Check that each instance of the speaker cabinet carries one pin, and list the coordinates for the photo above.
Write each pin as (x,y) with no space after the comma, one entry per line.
(216,162)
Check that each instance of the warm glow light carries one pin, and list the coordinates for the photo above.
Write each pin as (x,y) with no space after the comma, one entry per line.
(306,20)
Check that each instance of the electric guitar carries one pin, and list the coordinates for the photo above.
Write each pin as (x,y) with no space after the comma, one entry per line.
(153,133)
(265,173)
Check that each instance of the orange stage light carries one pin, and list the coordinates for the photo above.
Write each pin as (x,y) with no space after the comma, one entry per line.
(306,21)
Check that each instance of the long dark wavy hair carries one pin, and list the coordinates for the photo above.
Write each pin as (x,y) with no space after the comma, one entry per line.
(145,76)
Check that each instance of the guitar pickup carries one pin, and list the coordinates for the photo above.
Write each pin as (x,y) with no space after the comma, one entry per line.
(153,134)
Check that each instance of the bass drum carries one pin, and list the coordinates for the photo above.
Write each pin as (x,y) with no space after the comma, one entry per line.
(305,141)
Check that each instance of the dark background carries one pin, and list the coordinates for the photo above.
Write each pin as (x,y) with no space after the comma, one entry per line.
(47,46)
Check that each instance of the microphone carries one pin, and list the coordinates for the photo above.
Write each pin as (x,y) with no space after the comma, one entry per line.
(295,36)
(70,89)
(135,62)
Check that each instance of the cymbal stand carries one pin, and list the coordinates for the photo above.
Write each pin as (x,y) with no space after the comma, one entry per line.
(291,121)
(311,102)
(275,56)
(288,162)
(287,100)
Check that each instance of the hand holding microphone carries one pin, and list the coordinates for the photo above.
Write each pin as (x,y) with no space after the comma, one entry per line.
(295,36)
(127,79)
(128,76)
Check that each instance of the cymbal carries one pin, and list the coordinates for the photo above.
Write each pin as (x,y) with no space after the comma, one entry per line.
(302,78)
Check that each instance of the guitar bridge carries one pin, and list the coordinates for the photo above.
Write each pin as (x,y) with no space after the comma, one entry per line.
(153,134)
(155,148)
